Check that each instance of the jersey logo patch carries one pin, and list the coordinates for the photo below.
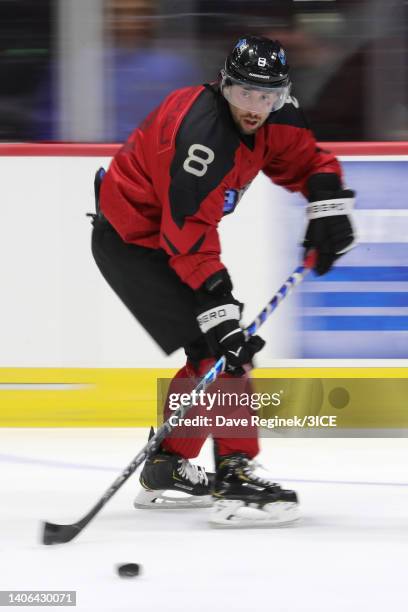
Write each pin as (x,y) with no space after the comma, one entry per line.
(230,201)
(232,197)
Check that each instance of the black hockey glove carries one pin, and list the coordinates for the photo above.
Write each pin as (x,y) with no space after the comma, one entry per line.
(330,229)
(218,315)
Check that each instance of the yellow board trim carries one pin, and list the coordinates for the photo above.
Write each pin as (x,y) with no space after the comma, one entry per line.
(116,397)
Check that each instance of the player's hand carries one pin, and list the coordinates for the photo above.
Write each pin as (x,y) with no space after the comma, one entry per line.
(220,324)
(218,316)
(330,229)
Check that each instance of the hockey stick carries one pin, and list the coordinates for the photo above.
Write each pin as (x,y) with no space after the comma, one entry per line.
(59,534)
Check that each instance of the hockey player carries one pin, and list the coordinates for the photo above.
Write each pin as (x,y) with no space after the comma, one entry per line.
(156,242)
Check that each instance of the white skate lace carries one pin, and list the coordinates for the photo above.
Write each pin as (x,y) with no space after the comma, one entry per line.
(194,473)
(250,470)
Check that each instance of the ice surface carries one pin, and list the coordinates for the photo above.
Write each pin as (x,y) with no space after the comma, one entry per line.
(349,551)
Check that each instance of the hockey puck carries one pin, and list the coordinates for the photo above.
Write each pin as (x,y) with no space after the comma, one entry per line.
(129,570)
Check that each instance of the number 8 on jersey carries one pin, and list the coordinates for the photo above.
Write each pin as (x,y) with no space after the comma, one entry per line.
(201,162)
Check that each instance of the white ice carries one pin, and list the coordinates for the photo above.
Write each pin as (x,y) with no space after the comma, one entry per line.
(349,551)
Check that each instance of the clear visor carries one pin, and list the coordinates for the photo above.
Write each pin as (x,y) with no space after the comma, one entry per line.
(254,99)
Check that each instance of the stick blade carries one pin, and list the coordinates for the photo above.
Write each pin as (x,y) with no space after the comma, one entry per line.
(59,534)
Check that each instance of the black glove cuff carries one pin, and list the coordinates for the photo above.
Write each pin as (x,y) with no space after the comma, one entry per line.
(321,186)
(216,286)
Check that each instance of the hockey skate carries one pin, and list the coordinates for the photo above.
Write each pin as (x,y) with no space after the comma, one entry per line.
(189,485)
(244,496)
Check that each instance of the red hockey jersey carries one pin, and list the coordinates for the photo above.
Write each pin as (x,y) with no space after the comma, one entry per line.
(185,167)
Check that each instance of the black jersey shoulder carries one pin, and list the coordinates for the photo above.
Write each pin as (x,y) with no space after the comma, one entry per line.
(289,114)
(206,133)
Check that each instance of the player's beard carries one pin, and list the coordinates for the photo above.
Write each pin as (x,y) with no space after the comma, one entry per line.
(247,123)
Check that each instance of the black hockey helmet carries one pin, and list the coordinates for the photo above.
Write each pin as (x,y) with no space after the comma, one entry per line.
(257,63)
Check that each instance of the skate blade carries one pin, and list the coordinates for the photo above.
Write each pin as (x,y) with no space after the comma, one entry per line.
(234,513)
(162,499)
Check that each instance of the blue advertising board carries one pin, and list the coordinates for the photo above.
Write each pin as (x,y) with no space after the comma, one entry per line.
(360,308)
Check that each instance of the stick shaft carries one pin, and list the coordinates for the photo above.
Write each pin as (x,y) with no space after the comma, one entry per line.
(166,428)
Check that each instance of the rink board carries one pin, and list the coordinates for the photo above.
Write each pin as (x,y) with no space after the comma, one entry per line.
(99,397)
(360,308)
(71,355)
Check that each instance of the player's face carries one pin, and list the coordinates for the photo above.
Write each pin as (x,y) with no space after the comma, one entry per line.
(250,107)
(251,99)
(247,122)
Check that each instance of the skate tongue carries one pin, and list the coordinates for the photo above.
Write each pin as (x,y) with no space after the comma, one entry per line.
(233,460)
(260,474)
(193,473)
